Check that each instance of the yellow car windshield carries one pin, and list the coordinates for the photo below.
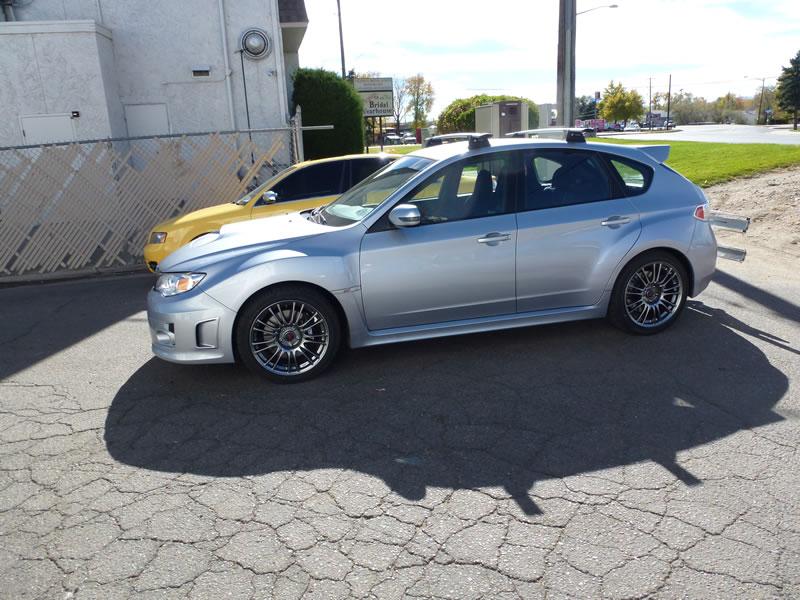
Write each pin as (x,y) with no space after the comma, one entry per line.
(258,191)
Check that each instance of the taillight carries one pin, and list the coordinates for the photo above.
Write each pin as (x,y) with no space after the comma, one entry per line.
(701,212)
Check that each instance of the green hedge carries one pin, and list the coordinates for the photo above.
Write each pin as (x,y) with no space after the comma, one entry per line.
(459,115)
(327,99)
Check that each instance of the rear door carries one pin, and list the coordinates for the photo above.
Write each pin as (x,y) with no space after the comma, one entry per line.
(306,187)
(575,226)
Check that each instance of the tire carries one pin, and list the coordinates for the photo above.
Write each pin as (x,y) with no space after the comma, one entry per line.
(288,334)
(649,294)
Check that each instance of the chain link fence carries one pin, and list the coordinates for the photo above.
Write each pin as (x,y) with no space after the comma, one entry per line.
(85,207)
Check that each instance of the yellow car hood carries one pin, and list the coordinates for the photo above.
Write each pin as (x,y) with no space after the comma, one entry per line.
(212,213)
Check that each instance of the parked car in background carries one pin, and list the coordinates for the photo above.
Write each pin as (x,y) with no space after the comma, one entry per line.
(391,139)
(453,239)
(305,185)
(613,126)
(632,126)
(409,138)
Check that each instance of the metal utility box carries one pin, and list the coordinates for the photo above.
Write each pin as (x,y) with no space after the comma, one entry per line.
(501,118)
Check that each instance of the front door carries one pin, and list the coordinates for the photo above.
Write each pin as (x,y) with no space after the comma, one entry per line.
(459,262)
(575,226)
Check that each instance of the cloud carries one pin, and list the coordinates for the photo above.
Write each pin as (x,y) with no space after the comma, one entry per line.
(465,46)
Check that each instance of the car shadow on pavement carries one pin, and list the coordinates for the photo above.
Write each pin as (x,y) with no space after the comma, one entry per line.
(504,409)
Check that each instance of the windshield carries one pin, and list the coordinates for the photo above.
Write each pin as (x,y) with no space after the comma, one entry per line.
(262,188)
(359,201)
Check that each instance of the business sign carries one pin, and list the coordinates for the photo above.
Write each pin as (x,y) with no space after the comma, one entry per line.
(377,95)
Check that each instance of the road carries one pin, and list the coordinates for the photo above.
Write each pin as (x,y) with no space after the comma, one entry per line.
(561,461)
(733,134)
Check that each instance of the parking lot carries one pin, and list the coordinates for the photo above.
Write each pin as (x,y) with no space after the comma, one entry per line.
(561,461)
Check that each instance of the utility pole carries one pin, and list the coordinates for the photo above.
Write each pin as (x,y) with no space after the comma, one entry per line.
(650,105)
(341,37)
(565,82)
(760,101)
(669,97)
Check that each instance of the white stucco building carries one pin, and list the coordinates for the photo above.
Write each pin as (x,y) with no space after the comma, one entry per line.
(89,69)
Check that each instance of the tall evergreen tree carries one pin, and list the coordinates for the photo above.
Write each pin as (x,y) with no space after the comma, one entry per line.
(789,88)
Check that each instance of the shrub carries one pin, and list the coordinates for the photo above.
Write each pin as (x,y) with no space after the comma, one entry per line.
(327,99)
(459,115)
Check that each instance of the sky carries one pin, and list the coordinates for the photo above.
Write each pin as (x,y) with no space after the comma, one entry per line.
(468,47)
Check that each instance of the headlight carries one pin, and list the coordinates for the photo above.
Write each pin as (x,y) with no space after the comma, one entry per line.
(171,284)
(158,237)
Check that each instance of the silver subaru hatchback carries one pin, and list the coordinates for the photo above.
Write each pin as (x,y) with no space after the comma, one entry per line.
(453,239)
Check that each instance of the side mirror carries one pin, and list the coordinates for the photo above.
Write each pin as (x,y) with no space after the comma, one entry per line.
(269,197)
(405,215)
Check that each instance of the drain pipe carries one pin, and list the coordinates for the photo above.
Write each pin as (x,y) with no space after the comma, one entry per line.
(8,10)
(228,86)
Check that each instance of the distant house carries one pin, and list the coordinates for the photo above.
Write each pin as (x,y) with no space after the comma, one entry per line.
(73,69)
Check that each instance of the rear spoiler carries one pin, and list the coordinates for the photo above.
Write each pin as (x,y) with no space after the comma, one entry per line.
(657,153)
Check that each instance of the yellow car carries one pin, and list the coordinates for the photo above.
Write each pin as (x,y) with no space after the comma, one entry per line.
(302,186)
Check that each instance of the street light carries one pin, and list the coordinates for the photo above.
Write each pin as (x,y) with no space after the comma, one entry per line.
(565,83)
(597,7)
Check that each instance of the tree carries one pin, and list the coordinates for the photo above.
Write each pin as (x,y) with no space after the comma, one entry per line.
(459,115)
(619,104)
(400,100)
(420,98)
(585,107)
(789,88)
(327,99)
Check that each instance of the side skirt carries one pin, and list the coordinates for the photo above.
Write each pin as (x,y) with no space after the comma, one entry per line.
(466,326)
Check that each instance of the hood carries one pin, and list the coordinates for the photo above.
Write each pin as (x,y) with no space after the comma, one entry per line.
(239,239)
(218,212)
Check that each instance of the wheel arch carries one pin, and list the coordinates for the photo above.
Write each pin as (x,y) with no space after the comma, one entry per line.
(337,305)
(680,256)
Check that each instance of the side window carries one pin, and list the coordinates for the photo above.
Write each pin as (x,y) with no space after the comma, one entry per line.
(635,177)
(556,177)
(361,168)
(477,187)
(324,179)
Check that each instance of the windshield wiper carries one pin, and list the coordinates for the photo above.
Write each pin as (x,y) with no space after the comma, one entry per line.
(316,214)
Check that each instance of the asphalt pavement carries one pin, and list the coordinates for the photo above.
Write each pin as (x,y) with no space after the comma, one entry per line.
(561,461)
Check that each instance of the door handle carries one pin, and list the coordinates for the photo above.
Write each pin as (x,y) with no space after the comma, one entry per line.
(494,238)
(614,221)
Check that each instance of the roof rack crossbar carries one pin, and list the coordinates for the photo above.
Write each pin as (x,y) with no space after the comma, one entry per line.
(568,134)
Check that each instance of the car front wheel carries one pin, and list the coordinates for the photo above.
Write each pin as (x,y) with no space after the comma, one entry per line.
(288,334)
(649,294)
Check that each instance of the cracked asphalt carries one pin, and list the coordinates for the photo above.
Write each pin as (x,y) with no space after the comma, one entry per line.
(567,461)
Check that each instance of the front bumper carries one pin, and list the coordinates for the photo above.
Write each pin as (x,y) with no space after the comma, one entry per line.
(190,328)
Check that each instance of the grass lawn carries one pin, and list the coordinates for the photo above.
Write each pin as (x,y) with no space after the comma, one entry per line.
(707,163)
(405,149)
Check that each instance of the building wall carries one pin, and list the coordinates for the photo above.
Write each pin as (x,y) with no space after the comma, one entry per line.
(55,68)
(155,45)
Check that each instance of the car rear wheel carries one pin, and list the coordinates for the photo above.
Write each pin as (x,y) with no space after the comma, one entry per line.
(288,334)
(650,293)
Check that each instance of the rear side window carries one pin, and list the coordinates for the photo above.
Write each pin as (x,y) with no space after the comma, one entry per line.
(635,177)
(324,179)
(364,167)
(556,177)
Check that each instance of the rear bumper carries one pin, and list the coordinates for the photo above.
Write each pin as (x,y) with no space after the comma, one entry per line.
(194,329)
(702,256)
